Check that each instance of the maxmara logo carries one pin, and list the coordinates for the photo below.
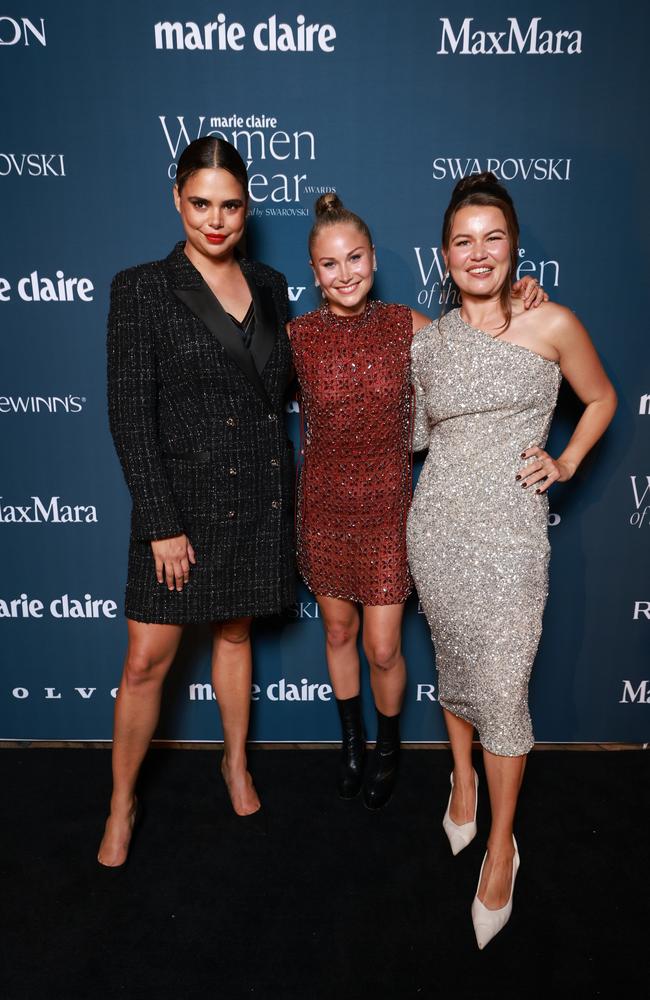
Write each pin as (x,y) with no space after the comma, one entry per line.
(514,38)
(222,35)
(36,287)
(42,404)
(509,168)
(639,694)
(431,269)
(21,31)
(641,494)
(47,512)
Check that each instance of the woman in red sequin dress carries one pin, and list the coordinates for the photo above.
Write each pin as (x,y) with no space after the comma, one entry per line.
(352,358)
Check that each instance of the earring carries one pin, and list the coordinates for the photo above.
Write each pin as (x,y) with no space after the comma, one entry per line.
(374,267)
(316,283)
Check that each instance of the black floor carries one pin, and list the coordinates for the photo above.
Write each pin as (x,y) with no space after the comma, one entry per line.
(335,902)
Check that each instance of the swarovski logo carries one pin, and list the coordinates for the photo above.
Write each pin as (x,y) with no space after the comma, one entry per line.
(32,164)
(515,39)
(534,168)
(47,511)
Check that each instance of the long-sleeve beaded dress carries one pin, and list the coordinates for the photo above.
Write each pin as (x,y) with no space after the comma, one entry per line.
(355,484)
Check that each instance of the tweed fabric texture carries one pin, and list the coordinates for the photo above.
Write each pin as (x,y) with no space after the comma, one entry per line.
(203,449)
(355,485)
(478,542)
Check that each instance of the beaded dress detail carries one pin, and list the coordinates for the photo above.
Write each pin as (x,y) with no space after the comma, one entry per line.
(478,542)
(355,484)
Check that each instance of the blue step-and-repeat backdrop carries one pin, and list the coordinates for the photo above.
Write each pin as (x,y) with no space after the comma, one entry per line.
(389,104)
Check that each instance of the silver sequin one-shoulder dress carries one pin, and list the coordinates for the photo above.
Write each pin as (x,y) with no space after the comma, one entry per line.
(477,542)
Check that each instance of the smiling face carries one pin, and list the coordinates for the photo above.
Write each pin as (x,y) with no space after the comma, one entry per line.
(212,205)
(478,254)
(342,261)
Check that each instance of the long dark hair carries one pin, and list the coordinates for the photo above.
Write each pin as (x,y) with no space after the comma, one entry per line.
(207,153)
(485,189)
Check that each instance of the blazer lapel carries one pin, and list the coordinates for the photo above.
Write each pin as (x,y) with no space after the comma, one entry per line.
(266,323)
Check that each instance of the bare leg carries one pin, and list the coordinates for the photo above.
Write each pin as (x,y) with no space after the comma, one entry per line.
(149,655)
(341,624)
(463,796)
(232,672)
(504,777)
(382,627)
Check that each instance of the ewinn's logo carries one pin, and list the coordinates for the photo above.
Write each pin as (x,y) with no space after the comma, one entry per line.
(641,494)
(47,511)
(21,32)
(515,40)
(509,168)
(42,404)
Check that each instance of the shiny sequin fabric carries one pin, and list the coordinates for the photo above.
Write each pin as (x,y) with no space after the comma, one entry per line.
(477,541)
(355,484)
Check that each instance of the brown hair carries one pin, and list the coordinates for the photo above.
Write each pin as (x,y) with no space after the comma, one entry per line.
(329,210)
(207,153)
(485,189)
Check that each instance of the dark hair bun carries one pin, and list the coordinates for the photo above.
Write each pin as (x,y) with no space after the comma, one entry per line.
(483,183)
(328,204)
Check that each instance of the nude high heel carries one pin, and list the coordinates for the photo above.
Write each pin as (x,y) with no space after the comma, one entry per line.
(488,923)
(460,836)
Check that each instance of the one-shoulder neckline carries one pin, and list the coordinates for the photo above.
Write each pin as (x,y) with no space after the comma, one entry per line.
(505,343)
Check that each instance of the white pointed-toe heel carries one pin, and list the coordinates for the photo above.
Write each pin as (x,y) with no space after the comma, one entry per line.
(460,836)
(488,923)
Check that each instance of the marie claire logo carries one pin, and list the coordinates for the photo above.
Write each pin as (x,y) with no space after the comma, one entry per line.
(21,31)
(42,404)
(32,164)
(64,606)
(641,493)
(281,690)
(644,405)
(515,39)
(431,268)
(639,694)
(39,288)
(224,36)
(260,141)
(510,168)
(47,511)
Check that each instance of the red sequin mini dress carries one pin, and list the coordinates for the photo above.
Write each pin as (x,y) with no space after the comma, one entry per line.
(355,483)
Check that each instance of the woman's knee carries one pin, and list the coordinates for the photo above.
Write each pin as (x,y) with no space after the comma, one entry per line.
(236,632)
(383,655)
(341,633)
(141,667)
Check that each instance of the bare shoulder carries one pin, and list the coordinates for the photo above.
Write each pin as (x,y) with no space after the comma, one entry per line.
(419,320)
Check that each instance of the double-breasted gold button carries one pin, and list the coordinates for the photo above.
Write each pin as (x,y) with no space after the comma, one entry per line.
(231,421)
(274,462)
(232,471)
(231,514)
(275,504)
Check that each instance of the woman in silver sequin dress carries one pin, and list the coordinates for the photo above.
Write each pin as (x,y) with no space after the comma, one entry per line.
(486,380)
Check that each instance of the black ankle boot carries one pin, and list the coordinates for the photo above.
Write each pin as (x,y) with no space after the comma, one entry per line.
(382,767)
(353,747)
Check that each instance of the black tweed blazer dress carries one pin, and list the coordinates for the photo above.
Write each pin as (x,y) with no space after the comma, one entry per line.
(197,420)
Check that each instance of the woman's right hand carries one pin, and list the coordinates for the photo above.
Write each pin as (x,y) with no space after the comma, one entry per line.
(173,557)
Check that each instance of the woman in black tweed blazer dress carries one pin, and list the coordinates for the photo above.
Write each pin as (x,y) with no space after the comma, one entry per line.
(198,366)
